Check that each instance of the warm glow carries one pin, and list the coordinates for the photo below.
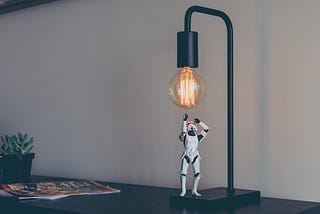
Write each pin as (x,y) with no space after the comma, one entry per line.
(187,88)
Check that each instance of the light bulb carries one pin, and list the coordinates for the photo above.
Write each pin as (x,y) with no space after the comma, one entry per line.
(187,88)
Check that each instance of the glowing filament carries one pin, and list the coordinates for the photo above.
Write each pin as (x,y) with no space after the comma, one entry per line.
(187,96)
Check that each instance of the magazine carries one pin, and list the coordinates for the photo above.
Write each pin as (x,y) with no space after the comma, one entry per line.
(56,189)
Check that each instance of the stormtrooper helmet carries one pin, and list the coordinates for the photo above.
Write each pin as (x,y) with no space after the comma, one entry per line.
(191,128)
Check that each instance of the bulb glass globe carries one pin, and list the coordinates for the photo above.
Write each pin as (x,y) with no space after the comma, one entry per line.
(187,88)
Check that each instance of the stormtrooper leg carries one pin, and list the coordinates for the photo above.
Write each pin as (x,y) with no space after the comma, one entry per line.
(197,176)
(183,176)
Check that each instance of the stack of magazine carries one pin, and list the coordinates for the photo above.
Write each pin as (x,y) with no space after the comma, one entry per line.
(54,190)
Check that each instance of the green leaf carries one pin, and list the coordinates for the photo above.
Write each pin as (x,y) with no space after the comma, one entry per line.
(2,139)
(7,138)
(31,140)
(14,139)
(21,139)
(26,144)
(4,149)
(18,149)
(28,149)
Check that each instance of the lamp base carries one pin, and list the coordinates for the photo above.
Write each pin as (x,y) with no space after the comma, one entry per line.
(216,199)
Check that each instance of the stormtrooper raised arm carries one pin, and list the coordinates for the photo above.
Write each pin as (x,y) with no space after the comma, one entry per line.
(191,140)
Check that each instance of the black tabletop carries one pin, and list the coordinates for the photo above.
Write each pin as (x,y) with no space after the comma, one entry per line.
(146,199)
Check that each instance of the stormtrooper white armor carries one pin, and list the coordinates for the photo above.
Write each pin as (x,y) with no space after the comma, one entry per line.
(191,140)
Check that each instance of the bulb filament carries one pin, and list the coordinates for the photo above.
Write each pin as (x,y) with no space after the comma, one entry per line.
(187,88)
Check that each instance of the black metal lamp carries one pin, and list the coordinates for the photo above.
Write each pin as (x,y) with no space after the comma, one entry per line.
(186,90)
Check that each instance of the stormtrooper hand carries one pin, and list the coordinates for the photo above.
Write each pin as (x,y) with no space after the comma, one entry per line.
(185,117)
(196,120)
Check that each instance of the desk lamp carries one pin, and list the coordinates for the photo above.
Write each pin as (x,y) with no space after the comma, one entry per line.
(187,89)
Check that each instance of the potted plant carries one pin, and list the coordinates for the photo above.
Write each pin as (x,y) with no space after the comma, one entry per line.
(16,157)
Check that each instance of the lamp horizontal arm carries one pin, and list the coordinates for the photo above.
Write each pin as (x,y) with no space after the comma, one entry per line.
(205,10)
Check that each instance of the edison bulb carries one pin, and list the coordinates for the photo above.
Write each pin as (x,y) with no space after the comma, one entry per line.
(187,88)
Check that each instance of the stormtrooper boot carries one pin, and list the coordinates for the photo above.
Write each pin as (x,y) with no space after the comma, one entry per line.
(195,185)
(183,180)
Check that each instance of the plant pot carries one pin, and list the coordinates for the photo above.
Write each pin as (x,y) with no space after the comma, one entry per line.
(16,168)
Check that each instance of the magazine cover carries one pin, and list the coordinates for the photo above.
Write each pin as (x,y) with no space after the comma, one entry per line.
(57,189)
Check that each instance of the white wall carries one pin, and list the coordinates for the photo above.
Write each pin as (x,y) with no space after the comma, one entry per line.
(290,117)
(88,79)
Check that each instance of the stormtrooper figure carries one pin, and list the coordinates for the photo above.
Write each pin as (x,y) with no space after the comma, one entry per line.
(190,140)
